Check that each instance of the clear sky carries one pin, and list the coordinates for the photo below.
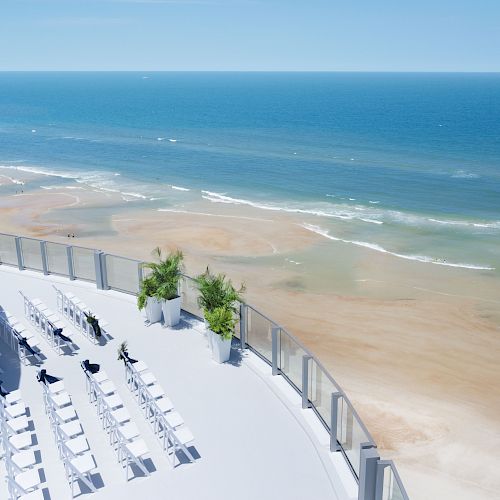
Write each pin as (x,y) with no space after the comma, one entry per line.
(305,35)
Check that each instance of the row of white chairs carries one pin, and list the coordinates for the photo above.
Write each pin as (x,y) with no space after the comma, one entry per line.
(168,425)
(116,421)
(72,445)
(75,311)
(46,322)
(24,481)
(19,338)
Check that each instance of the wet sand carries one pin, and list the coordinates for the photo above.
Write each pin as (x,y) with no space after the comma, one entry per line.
(415,346)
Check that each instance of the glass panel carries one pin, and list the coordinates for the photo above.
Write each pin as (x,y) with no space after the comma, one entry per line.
(32,257)
(189,294)
(122,274)
(259,333)
(291,355)
(350,434)
(57,258)
(392,490)
(83,263)
(8,254)
(320,391)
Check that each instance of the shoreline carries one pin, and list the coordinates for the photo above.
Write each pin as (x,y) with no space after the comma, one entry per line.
(412,344)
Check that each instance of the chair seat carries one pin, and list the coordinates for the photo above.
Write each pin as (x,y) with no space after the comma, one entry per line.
(61,399)
(100,376)
(128,431)
(155,391)
(77,445)
(121,415)
(16,410)
(66,413)
(18,424)
(113,401)
(24,459)
(34,495)
(137,448)
(174,419)
(84,463)
(108,387)
(56,387)
(147,378)
(20,441)
(29,479)
(140,366)
(13,397)
(164,405)
(71,429)
(184,435)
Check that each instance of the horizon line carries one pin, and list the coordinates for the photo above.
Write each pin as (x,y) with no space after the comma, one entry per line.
(240,71)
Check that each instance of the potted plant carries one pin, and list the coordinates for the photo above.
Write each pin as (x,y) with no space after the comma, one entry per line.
(94,323)
(221,322)
(167,273)
(147,299)
(217,291)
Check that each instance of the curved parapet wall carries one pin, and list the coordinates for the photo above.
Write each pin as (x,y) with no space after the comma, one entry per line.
(378,479)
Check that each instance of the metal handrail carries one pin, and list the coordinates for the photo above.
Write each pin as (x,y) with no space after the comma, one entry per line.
(324,371)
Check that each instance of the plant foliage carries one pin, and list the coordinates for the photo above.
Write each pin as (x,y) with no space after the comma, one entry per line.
(221,321)
(164,277)
(122,349)
(217,291)
(149,286)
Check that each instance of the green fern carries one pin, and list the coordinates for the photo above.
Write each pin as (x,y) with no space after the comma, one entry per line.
(216,291)
(221,321)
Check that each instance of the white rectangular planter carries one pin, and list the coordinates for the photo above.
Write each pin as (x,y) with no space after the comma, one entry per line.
(153,310)
(171,311)
(221,349)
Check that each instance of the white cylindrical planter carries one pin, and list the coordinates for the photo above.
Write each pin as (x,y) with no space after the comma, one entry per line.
(171,311)
(221,349)
(153,310)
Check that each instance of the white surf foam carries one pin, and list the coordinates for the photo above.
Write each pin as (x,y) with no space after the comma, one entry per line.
(180,188)
(172,140)
(463,174)
(206,214)
(378,248)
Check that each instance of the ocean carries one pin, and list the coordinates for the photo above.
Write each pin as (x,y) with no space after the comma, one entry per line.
(404,164)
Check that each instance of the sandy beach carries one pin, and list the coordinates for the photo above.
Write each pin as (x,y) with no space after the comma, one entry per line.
(414,345)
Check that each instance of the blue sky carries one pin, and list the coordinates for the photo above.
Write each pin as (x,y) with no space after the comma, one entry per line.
(279,35)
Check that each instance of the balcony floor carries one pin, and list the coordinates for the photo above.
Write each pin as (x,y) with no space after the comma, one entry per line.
(253,438)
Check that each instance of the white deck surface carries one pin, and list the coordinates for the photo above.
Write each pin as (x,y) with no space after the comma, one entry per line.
(254,440)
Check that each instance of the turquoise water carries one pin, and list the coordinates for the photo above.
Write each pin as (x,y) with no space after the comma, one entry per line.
(401,163)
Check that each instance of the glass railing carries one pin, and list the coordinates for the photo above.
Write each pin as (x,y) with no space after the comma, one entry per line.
(259,332)
(8,253)
(32,255)
(57,258)
(84,263)
(287,356)
(392,486)
(122,274)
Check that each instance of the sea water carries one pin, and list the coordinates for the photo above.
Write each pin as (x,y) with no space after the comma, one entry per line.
(403,164)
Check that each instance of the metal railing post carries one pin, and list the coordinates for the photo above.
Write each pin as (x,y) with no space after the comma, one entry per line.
(379,487)
(19,252)
(275,349)
(368,471)
(104,271)
(243,326)
(140,274)
(43,254)
(305,381)
(69,255)
(334,420)
(99,280)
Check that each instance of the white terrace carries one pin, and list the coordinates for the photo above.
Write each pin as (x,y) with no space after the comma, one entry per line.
(252,439)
